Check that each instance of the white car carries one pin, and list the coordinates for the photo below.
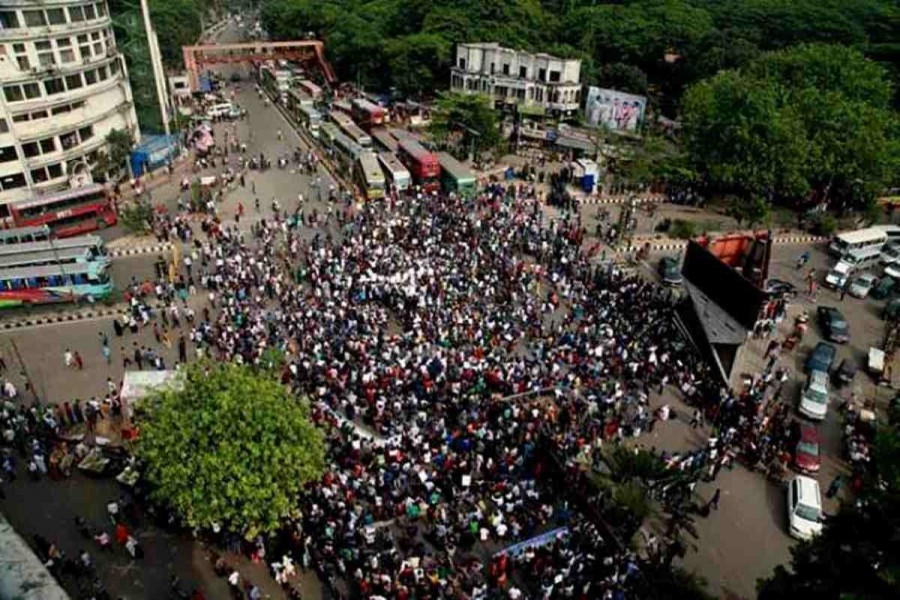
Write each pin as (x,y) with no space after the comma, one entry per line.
(814,397)
(861,285)
(804,504)
(839,275)
(893,270)
(890,254)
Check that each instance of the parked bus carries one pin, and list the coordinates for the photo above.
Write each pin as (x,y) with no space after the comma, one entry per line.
(314,91)
(350,128)
(369,176)
(384,139)
(24,235)
(394,171)
(422,164)
(54,283)
(342,106)
(276,81)
(92,244)
(455,176)
(329,132)
(311,119)
(367,114)
(68,213)
(64,257)
(296,99)
(346,151)
(861,239)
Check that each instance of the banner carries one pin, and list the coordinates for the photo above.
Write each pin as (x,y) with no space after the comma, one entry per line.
(535,542)
(614,110)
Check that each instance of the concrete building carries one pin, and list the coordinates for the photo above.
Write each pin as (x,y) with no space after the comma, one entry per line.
(64,87)
(539,82)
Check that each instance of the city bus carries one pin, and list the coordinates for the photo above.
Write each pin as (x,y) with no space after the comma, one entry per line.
(296,99)
(455,176)
(85,248)
(861,239)
(311,119)
(54,283)
(384,139)
(422,164)
(24,235)
(350,128)
(394,171)
(367,114)
(68,213)
(329,132)
(369,176)
(314,91)
(276,81)
(345,150)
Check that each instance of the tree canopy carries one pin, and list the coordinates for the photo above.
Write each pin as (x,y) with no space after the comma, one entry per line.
(465,122)
(231,446)
(810,120)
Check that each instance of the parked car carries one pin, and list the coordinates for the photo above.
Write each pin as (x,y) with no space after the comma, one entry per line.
(820,358)
(806,451)
(884,288)
(893,270)
(845,372)
(669,271)
(814,397)
(777,288)
(834,325)
(838,276)
(892,310)
(861,285)
(804,506)
(890,253)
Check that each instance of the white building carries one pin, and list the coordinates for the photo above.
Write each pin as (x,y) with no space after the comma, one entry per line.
(64,87)
(513,77)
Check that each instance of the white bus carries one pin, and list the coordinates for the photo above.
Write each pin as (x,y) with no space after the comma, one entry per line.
(86,248)
(23,235)
(861,239)
(369,176)
(394,170)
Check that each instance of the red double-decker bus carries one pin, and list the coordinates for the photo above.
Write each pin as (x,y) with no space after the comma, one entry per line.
(67,213)
(422,164)
(367,114)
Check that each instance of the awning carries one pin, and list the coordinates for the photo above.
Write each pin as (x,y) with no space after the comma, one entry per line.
(575,143)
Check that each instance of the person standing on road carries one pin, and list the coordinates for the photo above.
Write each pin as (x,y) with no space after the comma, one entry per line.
(79,362)
(835,486)
(714,501)
(68,359)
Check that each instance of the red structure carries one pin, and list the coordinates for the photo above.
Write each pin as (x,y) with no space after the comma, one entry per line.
(749,253)
(422,164)
(367,114)
(196,58)
(68,213)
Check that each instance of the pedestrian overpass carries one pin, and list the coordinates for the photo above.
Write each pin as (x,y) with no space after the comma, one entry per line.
(197,58)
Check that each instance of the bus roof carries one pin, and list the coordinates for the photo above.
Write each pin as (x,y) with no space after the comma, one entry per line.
(392,163)
(82,241)
(17,232)
(385,139)
(414,149)
(367,106)
(50,256)
(459,171)
(58,197)
(310,111)
(369,163)
(862,235)
(90,268)
(347,144)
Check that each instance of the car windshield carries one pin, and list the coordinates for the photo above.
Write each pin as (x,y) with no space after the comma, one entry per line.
(808,448)
(892,251)
(838,324)
(816,395)
(807,513)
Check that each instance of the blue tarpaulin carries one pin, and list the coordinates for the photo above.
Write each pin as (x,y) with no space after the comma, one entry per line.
(153,152)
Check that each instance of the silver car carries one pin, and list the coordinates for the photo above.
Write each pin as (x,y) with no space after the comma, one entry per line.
(861,285)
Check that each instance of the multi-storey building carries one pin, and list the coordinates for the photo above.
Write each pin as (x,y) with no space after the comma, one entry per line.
(64,88)
(515,77)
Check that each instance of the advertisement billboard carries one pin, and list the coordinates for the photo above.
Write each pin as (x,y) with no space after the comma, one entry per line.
(614,110)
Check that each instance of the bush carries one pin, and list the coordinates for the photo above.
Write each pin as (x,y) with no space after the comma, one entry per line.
(825,224)
(663,226)
(137,218)
(683,230)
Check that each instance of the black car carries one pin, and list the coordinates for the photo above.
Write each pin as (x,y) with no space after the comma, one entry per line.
(669,271)
(778,288)
(833,324)
(845,372)
(821,358)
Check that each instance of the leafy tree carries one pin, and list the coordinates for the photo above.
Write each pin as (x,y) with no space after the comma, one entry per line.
(419,62)
(752,211)
(232,446)
(808,120)
(111,161)
(857,554)
(137,217)
(466,119)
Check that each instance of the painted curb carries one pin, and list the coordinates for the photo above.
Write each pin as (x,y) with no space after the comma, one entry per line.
(621,199)
(155,249)
(73,317)
(663,246)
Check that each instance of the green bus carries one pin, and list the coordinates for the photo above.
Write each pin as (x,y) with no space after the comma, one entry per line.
(455,176)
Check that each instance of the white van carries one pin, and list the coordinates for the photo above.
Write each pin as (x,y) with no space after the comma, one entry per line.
(862,258)
(862,239)
(804,504)
(220,110)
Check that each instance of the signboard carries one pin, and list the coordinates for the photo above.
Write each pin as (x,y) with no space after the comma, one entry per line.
(535,542)
(617,111)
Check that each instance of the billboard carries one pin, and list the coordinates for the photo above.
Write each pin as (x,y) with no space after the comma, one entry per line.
(614,110)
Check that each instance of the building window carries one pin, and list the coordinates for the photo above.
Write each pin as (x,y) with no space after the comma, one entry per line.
(56,16)
(46,59)
(48,146)
(554,76)
(67,56)
(31,149)
(4,126)
(523,72)
(11,182)
(61,110)
(86,133)
(103,73)
(462,63)
(38,115)
(23,63)
(101,9)
(54,86)
(73,82)
(42,45)
(39,175)
(90,77)
(89,12)
(20,118)
(506,69)
(31,90)
(8,154)
(114,67)
(542,74)
(34,18)
(8,19)
(13,93)
(68,140)
(492,68)
(76,14)
(55,170)
(98,49)
(84,47)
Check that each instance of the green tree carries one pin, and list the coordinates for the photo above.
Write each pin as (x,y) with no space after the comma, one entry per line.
(465,121)
(231,446)
(111,161)
(857,555)
(418,63)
